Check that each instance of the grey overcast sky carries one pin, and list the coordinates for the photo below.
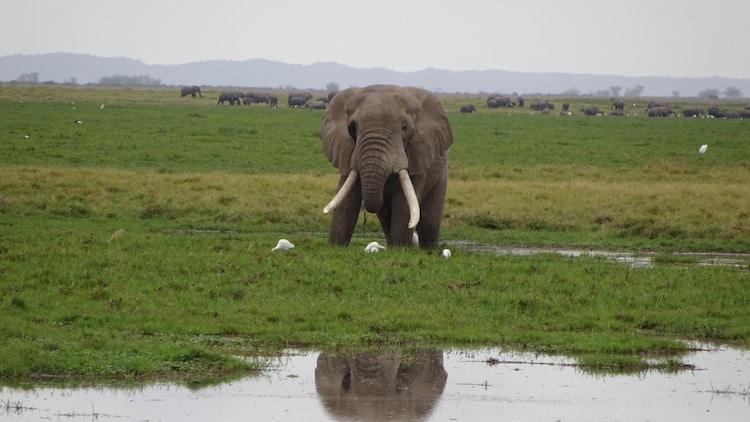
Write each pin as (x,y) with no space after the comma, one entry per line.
(681,38)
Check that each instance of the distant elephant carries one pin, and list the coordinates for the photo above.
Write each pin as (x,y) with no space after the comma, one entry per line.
(655,103)
(306,96)
(382,385)
(540,106)
(715,112)
(692,112)
(566,106)
(191,90)
(499,101)
(591,111)
(316,104)
(296,102)
(659,111)
(618,106)
(520,101)
(390,145)
(468,108)
(233,97)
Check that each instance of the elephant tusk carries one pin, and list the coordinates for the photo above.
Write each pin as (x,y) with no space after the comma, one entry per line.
(351,179)
(411,197)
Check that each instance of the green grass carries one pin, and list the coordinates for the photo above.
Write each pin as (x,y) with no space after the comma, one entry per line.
(203,192)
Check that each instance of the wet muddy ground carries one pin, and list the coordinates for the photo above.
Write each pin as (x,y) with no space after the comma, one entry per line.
(439,385)
(636,259)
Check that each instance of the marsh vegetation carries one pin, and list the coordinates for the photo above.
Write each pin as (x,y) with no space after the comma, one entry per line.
(137,243)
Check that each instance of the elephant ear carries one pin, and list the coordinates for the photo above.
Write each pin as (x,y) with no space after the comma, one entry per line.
(338,146)
(432,132)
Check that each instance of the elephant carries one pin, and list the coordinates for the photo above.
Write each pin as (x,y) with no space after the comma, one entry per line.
(499,101)
(654,104)
(715,112)
(659,111)
(233,97)
(316,104)
(540,106)
(591,111)
(618,106)
(566,106)
(468,108)
(520,101)
(261,97)
(381,385)
(390,145)
(692,112)
(191,90)
(296,102)
(306,96)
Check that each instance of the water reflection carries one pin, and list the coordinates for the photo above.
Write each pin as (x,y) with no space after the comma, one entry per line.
(455,385)
(381,385)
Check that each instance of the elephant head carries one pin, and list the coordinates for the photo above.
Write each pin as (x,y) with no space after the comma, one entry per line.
(384,385)
(390,145)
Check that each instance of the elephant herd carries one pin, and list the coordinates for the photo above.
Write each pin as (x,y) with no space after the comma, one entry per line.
(295,99)
(653,109)
(247,98)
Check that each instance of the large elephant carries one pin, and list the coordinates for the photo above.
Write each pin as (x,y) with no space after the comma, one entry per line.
(384,385)
(390,145)
(191,90)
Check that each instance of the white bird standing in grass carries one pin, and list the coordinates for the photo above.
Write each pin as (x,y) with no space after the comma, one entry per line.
(283,245)
(446,253)
(702,149)
(373,247)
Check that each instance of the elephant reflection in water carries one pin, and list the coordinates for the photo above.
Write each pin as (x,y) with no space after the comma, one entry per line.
(381,385)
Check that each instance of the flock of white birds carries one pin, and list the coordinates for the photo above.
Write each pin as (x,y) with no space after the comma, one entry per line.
(372,247)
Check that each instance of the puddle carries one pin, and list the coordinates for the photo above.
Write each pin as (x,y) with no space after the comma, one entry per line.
(640,259)
(447,385)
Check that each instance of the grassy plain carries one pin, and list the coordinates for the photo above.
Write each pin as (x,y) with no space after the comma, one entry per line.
(203,192)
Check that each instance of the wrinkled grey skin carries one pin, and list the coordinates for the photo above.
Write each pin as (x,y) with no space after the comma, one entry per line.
(233,97)
(468,108)
(378,131)
(381,385)
(191,90)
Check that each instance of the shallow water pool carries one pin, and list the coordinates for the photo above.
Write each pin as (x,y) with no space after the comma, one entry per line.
(439,385)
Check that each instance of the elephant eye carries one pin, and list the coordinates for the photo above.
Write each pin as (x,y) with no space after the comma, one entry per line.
(353,130)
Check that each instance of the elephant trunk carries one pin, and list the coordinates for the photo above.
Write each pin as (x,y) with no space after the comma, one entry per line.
(373,176)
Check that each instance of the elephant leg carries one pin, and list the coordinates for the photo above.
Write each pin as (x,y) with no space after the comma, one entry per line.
(428,228)
(394,219)
(345,216)
(432,207)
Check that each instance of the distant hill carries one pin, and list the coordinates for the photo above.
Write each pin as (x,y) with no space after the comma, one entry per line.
(86,69)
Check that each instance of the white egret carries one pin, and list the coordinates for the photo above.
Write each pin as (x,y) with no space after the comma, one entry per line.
(283,245)
(702,149)
(446,253)
(373,247)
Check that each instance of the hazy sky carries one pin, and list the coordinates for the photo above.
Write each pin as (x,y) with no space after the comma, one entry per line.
(633,37)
